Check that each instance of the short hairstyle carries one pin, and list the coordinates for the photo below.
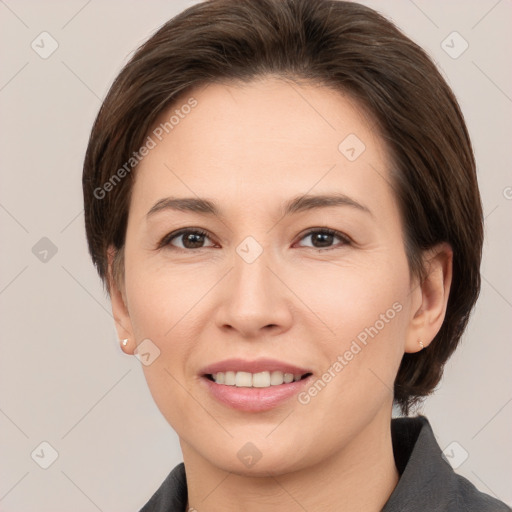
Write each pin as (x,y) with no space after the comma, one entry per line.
(347,47)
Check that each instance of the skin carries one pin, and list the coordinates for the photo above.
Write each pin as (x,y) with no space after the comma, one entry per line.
(249,148)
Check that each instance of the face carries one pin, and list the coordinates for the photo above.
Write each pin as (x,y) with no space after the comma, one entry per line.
(273,279)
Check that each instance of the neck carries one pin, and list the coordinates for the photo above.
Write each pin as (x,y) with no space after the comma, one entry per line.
(362,476)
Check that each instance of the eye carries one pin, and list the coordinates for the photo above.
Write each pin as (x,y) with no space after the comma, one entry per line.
(324,237)
(193,239)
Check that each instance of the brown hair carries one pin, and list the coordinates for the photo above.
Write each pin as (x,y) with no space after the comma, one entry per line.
(342,45)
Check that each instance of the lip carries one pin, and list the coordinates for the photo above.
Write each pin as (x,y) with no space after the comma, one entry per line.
(254,399)
(256,366)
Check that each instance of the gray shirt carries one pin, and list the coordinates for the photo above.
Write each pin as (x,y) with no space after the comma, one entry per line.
(427,481)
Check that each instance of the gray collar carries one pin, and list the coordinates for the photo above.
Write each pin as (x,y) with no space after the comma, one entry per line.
(427,481)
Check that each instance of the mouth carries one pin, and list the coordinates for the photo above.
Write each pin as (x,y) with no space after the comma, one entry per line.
(264,379)
(255,392)
(254,386)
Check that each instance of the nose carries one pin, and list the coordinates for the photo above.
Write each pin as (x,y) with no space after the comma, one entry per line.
(255,299)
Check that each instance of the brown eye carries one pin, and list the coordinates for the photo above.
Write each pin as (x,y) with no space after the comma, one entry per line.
(194,239)
(190,239)
(323,238)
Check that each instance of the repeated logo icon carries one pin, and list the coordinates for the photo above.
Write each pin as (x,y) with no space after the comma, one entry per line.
(455,454)
(249,454)
(44,455)
(146,352)
(44,45)
(454,45)
(351,147)
(44,250)
(249,249)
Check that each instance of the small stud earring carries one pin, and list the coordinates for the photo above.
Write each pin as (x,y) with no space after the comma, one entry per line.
(124,342)
(421,344)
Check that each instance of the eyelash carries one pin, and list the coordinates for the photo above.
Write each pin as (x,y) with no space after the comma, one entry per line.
(166,241)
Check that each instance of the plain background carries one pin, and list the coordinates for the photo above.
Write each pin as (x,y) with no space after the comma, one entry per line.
(63,377)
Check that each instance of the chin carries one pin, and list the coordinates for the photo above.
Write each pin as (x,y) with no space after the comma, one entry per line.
(259,458)
(276,465)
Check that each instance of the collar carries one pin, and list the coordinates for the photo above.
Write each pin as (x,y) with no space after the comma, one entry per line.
(427,480)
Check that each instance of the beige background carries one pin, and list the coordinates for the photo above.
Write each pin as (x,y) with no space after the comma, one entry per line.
(63,378)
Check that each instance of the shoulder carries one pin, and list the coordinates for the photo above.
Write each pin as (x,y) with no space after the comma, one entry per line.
(466,497)
(427,480)
(171,495)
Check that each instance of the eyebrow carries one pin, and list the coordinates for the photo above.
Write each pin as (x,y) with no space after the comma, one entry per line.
(292,206)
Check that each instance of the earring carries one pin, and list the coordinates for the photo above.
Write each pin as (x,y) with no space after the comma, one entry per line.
(421,344)
(124,342)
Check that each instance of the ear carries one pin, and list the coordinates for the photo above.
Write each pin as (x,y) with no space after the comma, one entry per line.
(119,309)
(430,298)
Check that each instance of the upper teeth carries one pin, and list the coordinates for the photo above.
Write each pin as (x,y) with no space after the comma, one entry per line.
(255,380)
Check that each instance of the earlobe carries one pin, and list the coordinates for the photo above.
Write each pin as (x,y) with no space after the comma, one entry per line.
(126,346)
(119,309)
(434,290)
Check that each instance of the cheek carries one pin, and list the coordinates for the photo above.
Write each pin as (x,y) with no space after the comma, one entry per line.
(340,300)
(362,313)
(351,311)
(160,297)
(160,310)
(348,298)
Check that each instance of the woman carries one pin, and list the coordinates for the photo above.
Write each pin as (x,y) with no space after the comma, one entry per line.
(281,199)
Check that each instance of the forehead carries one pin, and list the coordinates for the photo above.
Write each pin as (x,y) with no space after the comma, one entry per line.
(260,141)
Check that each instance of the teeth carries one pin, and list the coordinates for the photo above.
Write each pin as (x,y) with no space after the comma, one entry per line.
(288,377)
(261,380)
(229,378)
(254,380)
(276,378)
(243,380)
